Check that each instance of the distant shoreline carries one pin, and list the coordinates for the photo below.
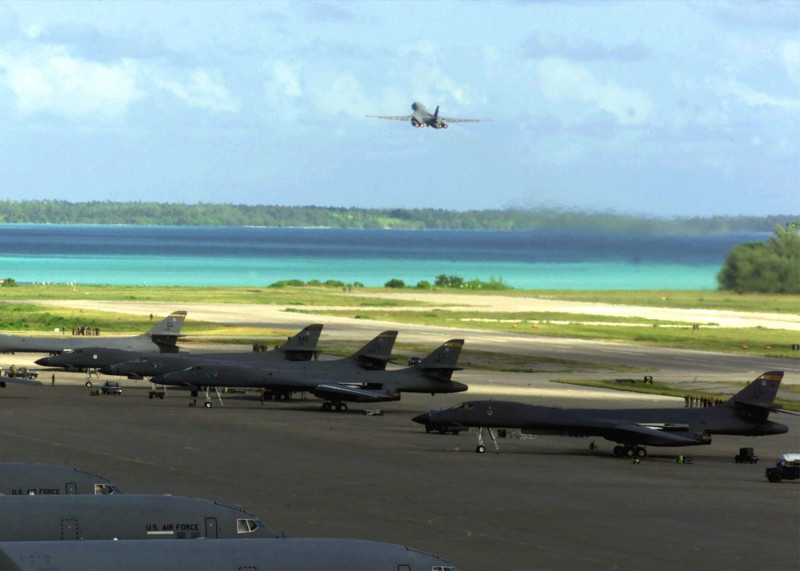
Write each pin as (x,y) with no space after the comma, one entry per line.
(275,216)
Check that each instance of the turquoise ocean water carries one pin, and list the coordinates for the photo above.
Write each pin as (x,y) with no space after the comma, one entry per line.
(257,257)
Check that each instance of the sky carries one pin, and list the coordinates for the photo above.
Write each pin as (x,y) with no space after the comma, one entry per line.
(667,109)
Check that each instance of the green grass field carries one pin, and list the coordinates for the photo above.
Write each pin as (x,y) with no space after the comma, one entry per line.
(30,318)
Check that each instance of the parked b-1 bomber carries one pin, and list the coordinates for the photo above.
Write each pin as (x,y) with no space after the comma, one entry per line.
(745,414)
(336,382)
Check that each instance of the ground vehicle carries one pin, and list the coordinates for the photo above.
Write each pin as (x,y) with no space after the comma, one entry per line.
(110,388)
(746,455)
(24,373)
(786,468)
(442,429)
(156,393)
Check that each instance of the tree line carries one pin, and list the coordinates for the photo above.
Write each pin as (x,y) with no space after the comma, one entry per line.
(206,214)
(772,266)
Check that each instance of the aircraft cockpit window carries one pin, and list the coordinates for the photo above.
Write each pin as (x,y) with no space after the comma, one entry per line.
(105,489)
(248,525)
(464,405)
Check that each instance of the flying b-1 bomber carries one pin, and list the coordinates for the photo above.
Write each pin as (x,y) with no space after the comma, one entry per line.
(421,117)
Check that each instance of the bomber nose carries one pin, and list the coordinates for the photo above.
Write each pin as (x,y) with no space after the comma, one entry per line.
(43,362)
(459,387)
(422,418)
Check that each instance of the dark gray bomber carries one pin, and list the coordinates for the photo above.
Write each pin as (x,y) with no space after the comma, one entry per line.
(140,364)
(220,555)
(329,380)
(744,414)
(161,338)
(37,478)
(123,516)
(421,117)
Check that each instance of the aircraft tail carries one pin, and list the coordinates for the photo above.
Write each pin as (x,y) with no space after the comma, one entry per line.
(303,345)
(375,354)
(442,362)
(166,332)
(758,397)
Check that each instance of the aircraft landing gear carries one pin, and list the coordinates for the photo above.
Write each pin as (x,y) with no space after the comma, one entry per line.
(481,447)
(629,451)
(334,406)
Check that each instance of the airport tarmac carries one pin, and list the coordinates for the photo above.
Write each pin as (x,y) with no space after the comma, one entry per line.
(544,503)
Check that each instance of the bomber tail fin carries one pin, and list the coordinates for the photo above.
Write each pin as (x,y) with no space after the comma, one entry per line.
(375,354)
(166,332)
(758,397)
(442,362)
(303,345)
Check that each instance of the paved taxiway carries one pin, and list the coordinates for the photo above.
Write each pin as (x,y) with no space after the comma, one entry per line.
(541,504)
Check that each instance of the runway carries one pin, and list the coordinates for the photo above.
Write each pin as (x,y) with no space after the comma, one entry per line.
(544,503)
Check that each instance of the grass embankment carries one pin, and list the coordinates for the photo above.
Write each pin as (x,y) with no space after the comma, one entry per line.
(656,388)
(706,337)
(362,303)
(290,296)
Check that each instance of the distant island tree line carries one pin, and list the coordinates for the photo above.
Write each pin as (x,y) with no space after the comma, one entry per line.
(772,266)
(516,218)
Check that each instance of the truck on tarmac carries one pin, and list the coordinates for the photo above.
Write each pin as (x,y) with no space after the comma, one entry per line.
(786,468)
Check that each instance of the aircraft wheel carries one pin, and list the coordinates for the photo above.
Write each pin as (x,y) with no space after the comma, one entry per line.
(630,452)
(88,384)
(480,449)
(208,404)
(326,406)
(341,407)
(640,452)
(619,451)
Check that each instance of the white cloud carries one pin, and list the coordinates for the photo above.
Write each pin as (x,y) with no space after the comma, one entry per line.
(287,79)
(199,89)
(790,53)
(561,80)
(422,48)
(342,94)
(751,97)
(47,79)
